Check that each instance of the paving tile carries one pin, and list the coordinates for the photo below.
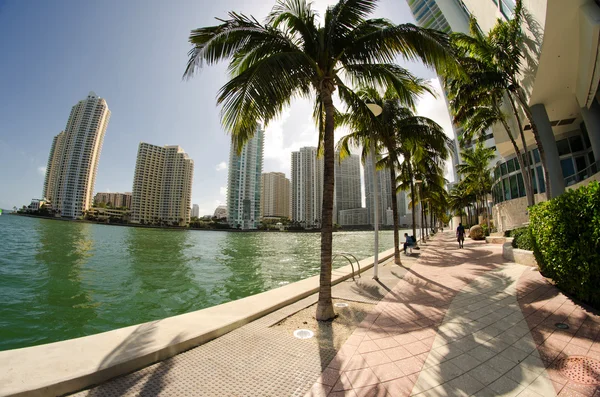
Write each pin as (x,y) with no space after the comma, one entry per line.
(387,372)
(404,339)
(410,365)
(343,383)
(355,362)
(467,384)
(542,386)
(513,354)
(345,393)
(401,387)
(378,390)
(416,348)
(482,353)
(500,364)
(368,346)
(504,386)
(386,343)
(318,390)
(485,374)
(329,376)
(465,361)
(428,379)
(397,353)
(362,377)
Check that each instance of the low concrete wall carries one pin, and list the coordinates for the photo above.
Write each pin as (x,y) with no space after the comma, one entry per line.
(495,239)
(71,365)
(511,214)
(516,255)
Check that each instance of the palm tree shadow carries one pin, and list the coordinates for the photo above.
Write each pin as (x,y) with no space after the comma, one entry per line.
(153,380)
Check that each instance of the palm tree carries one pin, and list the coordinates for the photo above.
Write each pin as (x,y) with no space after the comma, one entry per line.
(476,173)
(385,134)
(503,48)
(459,199)
(476,98)
(291,55)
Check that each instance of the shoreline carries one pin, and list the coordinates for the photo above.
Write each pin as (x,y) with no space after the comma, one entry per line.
(179,228)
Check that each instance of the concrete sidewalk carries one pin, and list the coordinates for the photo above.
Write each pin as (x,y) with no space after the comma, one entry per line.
(452,323)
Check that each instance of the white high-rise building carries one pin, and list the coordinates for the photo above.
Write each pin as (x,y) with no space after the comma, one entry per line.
(384,186)
(348,192)
(162,186)
(244,183)
(196,211)
(73,160)
(275,195)
(307,187)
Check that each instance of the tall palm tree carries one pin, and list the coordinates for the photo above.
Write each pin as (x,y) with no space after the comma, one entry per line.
(503,48)
(459,199)
(475,170)
(385,135)
(423,156)
(477,98)
(291,55)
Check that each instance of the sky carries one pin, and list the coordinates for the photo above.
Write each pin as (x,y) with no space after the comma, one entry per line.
(133,53)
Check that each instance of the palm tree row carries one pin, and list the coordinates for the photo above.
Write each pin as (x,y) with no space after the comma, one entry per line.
(492,64)
(291,54)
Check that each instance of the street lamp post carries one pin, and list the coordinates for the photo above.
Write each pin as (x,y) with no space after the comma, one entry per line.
(418,196)
(376,110)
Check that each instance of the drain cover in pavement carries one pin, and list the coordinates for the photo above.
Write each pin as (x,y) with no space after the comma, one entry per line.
(303,334)
(580,369)
(340,304)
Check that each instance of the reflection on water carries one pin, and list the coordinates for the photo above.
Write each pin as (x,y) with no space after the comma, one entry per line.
(61,280)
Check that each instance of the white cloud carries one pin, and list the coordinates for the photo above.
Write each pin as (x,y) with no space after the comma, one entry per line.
(223,191)
(41,170)
(221,166)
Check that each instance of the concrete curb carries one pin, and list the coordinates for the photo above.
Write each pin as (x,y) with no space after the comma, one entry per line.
(71,365)
(519,256)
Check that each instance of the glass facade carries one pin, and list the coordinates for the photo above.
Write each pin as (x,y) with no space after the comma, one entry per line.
(576,161)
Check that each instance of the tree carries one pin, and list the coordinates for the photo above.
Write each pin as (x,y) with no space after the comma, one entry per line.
(459,199)
(503,49)
(386,133)
(477,97)
(476,174)
(291,55)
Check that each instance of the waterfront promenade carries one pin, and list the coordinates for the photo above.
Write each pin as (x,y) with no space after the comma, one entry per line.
(452,323)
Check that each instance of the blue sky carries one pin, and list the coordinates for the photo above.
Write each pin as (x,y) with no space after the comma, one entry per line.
(132,53)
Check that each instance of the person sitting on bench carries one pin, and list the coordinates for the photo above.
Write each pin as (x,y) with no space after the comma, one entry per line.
(410,242)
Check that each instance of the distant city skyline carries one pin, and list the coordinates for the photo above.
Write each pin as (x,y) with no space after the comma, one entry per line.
(149,103)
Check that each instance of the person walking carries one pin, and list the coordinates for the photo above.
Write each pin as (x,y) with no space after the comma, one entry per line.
(460,235)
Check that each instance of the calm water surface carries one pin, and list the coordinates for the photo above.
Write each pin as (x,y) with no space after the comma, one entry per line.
(62,280)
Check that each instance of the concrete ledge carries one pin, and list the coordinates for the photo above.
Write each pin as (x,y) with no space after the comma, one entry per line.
(516,255)
(496,239)
(71,365)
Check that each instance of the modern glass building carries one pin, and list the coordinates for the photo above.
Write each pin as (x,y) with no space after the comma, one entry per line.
(244,183)
(307,187)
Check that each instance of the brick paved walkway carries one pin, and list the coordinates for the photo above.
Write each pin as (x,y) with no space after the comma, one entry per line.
(462,323)
(454,323)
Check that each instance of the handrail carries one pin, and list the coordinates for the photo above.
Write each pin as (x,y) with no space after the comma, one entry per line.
(583,175)
(345,255)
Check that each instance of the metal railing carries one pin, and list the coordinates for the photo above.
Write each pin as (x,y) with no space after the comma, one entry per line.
(346,255)
(583,175)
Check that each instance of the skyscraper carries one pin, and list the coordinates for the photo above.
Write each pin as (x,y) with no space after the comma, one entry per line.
(275,195)
(384,186)
(196,211)
(73,160)
(162,185)
(307,186)
(348,192)
(244,183)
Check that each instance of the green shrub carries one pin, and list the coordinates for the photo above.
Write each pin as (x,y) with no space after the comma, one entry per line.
(522,238)
(566,241)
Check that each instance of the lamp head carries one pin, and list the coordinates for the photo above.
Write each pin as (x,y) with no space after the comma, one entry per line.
(375,109)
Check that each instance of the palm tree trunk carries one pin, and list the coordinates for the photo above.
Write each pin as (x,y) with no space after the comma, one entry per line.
(397,260)
(412,199)
(536,135)
(325,303)
(524,164)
